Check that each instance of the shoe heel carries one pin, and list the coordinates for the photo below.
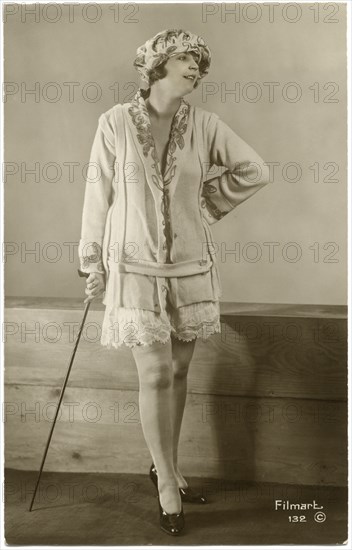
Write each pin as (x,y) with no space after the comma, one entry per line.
(153,476)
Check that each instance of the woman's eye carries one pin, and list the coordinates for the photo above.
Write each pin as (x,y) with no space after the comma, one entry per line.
(185,58)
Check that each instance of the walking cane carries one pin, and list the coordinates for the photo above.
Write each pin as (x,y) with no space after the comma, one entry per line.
(86,275)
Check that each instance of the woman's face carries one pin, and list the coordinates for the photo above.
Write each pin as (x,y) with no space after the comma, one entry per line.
(182,72)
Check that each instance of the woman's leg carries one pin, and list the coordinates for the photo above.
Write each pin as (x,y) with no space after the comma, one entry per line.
(182,353)
(154,365)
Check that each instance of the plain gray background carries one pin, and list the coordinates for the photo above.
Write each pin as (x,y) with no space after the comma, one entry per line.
(311,132)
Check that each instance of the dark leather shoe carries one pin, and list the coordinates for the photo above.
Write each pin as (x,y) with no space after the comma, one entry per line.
(187,494)
(172,524)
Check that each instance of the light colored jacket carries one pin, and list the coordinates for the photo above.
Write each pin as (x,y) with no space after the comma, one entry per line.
(139,225)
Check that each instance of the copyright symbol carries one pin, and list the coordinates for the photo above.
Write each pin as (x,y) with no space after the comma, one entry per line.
(320,517)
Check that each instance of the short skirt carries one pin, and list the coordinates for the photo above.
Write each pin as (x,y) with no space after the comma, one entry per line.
(134,327)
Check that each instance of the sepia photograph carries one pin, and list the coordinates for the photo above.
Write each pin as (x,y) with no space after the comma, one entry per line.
(175,274)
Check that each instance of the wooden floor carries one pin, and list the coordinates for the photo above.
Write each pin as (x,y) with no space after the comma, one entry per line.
(108,509)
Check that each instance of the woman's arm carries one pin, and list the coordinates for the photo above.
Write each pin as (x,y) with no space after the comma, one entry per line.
(245,175)
(98,197)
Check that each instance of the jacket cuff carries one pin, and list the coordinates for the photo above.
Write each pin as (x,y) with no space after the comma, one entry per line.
(213,202)
(90,257)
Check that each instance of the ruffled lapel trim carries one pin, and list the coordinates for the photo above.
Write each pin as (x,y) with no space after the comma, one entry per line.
(141,121)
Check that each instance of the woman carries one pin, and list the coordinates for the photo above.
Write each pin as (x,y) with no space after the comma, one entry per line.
(146,239)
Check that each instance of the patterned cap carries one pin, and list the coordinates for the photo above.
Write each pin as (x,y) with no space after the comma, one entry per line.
(166,43)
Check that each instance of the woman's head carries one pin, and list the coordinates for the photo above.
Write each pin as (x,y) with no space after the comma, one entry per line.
(168,51)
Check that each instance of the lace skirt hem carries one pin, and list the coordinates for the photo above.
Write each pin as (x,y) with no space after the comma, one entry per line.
(132,326)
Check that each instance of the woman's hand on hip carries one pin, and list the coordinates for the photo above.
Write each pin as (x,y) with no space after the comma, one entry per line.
(95,286)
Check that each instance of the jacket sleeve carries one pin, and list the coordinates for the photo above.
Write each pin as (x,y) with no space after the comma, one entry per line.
(245,174)
(98,197)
